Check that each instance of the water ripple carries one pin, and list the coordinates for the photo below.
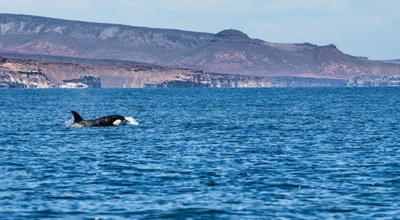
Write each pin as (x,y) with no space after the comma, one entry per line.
(202,153)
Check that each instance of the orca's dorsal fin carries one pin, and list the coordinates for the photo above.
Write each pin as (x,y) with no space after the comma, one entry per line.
(77,117)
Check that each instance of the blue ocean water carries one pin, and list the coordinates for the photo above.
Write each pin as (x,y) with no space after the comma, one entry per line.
(201,153)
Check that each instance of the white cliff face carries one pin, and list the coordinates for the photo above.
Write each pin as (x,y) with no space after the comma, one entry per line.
(28,79)
(363,81)
(36,80)
(73,85)
(37,74)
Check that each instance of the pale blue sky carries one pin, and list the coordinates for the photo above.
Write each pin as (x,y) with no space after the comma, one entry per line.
(358,27)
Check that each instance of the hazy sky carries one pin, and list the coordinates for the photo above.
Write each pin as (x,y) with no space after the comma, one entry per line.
(358,27)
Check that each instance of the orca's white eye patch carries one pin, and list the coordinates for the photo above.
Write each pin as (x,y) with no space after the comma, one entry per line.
(117,122)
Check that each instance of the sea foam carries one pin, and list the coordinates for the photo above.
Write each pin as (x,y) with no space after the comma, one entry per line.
(131,121)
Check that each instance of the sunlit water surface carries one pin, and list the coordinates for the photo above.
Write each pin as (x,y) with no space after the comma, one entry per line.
(201,153)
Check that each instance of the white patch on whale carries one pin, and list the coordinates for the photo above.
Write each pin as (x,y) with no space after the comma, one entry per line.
(117,122)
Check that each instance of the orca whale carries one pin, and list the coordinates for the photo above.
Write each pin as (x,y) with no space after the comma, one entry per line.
(111,120)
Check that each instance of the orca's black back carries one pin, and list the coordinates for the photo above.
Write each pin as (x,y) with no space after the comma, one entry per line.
(104,121)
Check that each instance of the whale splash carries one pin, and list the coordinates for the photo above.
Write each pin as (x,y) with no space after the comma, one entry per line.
(131,121)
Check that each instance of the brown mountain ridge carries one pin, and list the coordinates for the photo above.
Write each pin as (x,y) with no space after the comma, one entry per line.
(229,51)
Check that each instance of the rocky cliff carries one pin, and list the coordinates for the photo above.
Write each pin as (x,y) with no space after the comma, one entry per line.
(21,79)
(26,73)
(290,81)
(229,51)
(368,81)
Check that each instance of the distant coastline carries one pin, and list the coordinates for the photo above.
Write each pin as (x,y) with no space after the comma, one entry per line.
(40,52)
(30,73)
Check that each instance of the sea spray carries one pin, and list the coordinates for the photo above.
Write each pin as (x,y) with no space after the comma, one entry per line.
(131,121)
(69,122)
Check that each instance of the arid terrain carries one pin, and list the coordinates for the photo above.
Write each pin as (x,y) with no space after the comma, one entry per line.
(55,51)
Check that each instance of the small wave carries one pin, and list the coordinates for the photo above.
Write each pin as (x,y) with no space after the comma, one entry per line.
(131,121)
(69,122)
